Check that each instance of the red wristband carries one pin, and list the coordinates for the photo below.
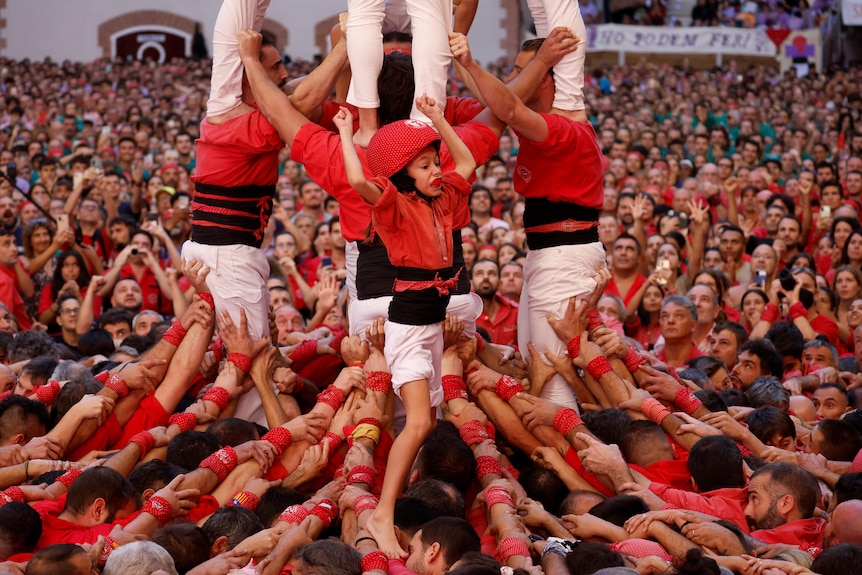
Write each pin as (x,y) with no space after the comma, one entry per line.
(245,499)
(48,393)
(365,502)
(594,319)
(110,545)
(566,420)
(380,381)
(598,367)
(207,297)
(295,514)
(508,386)
(278,437)
(370,421)
(222,462)
(686,400)
(375,561)
(118,385)
(103,377)
(454,387)
(144,440)
(218,395)
(513,547)
(473,432)
(574,347)
(331,396)
(654,410)
(327,511)
(512,471)
(498,494)
(361,474)
(797,310)
(159,508)
(69,477)
(771,313)
(185,421)
(175,333)
(333,439)
(633,360)
(12,494)
(486,464)
(241,361)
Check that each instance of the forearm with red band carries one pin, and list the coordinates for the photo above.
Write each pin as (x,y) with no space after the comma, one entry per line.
(512,471)
(380,381)
(633,360)
(69,477)
(508,386)
(207,297)
(453,387)
(159,508)
(218,395)
(594,319)
(486,464)
(47,393)
(365,502)
(566,420)
(222,462)
(185,421)
(574,347)
(770,313)
(241,361)
(598,367)
(473,432)
(686,400)
(327,511)
(110,545)
(246,500)
(303,354)
(480,343)
(361,474)
(375,561)
(12,494)
(331,396)
(797,310)
(279,437)
(118,385)
(175,333)
(295,514)
(144,440)
(498,494)
(103,377)
(333,439)
(513,547)
(654,410)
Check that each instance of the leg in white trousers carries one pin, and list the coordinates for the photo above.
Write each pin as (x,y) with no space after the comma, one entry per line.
(569,72)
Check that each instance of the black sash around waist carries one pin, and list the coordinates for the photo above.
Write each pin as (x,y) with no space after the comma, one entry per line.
(541,211)
(224,216)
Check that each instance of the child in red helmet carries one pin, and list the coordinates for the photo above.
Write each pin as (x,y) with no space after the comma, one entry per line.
(412,204)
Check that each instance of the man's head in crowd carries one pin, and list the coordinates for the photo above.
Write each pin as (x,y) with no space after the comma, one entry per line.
(287,320)
(831,401)
(819,354)
(732,243)
(485,277)
(144,322)
(310,195)
(780,493)
(8,249)
(626,254)
(439,544)
(511,280)
(677,318)
(715,462)
(127,295)
(773,427)
(21,420)
(834,439)
(706,301)
(100,495)
(35,373)
(118,323)
(64,558)
(327,557)
(757,357)
(789,232)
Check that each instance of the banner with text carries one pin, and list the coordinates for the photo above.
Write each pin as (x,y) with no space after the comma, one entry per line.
(656,40)
(851,12)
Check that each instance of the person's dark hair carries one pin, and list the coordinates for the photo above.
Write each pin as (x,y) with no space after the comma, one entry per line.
(70,394)
(619,509)
(275,500)
(707,364)
(627,236)
(235,523)
(57,281)
(711,400)
(845,257)
(696,376)
(105,483)
(697,564)
(232,431)
(32,343)
(841,441)
(54,559)
(787,339)
(476,563)
(16,416)
(189,448)
(607,424)
(587,558)
(455,536)
(116,315)
(446,457)
(768,421)
(736,328)
(153,475)
(329,557)
(186,544)
(786,202)
(395,87)
(792,479)
(96,342)
(444,498)
(544,486)
(411,514)
(765,391)
(848,486)
(733,397)
(849,364)
(20,527)
(831,183)
(715,462)
(771,362)
(838,560)
(139,343)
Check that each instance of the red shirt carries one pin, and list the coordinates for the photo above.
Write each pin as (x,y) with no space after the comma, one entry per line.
(504,328)
(11,296)
(47,298)
(56,530)
(565,167)
(612,288)
(695,352)
(826,326)
(418,233)
(149,414)
(728,503)
(243,151)
(807,534)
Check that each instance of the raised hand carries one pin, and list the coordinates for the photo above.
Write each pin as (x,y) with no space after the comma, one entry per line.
(250,43)
(460,49)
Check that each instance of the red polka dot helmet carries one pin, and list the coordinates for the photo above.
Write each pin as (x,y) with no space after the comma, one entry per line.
(395,144)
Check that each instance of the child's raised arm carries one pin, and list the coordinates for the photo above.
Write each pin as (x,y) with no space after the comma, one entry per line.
(465,165)
(352,165)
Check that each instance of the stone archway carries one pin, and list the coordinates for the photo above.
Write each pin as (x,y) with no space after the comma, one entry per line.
(147,33)
(321,34)
(278,32)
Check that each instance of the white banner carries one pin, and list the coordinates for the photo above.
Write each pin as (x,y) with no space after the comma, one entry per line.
(657,40)
(851,12)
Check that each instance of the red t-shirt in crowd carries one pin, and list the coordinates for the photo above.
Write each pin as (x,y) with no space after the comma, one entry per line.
(612,289)
(504,329)
(10,295)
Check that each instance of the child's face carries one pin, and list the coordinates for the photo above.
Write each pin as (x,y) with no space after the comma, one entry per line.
(425,170)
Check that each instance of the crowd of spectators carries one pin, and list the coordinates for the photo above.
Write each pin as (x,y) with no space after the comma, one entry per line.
(731,222)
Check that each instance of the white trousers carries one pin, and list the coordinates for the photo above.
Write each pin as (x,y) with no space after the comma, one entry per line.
(569,72)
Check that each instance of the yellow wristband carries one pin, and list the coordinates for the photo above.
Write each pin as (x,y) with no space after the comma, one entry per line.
(372,432)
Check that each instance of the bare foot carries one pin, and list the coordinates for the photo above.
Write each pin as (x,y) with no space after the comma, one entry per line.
(383,531)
